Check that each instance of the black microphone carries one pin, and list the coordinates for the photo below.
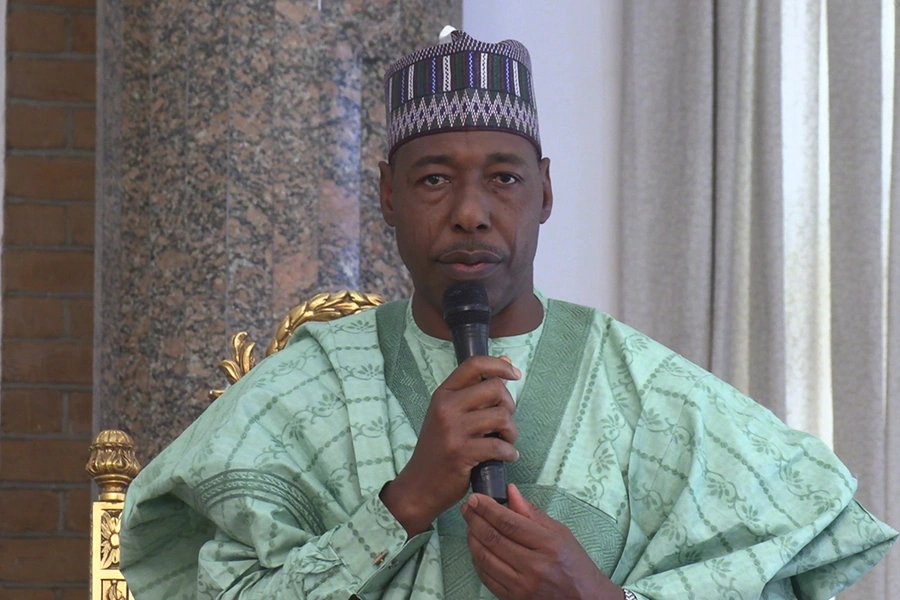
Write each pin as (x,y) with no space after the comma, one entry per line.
(468,315)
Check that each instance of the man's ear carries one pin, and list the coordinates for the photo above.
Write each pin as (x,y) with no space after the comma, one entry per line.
(547,201)
(386,193)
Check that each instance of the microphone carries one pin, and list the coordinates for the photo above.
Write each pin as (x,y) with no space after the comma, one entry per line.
(468,315)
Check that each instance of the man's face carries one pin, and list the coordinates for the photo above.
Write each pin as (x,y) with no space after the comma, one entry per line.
(467,206)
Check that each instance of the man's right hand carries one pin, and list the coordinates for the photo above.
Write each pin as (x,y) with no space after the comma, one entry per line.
(471,403)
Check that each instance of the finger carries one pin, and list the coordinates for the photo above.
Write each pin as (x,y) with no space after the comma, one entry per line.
(477,368)
(493,541)
(483,394)
(516,502)
(509,524)
(496,574)
(491,392)
(490,548)
(480,449)
(495,587)
(521,505)
(478,423)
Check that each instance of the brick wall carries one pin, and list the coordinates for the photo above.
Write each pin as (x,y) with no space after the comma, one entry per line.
(45,395)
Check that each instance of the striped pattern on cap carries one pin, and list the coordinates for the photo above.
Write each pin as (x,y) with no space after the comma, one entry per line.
(464,84)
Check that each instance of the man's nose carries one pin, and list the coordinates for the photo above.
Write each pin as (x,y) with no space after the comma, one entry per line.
(471,209)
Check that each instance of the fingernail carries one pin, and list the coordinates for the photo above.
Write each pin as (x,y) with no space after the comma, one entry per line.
(517,372)
(517,455)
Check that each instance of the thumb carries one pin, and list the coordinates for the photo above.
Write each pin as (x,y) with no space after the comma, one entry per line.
(518,504)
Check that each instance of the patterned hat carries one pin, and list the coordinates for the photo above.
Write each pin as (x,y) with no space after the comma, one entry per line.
(461,85)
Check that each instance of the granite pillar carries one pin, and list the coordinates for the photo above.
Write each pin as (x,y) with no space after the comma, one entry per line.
(238,143)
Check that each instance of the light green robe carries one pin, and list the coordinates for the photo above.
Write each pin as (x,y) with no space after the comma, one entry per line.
(676,485)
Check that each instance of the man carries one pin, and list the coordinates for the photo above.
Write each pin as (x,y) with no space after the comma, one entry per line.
(339,467)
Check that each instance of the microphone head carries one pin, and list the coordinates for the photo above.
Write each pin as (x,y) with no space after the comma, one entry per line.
(466,303)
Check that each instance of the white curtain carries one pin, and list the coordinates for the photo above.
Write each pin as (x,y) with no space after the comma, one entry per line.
(761,215)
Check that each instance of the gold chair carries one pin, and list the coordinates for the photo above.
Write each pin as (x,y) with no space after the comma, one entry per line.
(113,466)
(321,307)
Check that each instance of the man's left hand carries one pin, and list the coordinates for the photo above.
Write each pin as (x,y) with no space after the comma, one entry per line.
(519,552)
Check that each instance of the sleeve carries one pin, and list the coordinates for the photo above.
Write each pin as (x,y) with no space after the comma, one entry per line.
(358,557)
(261,497)
(257,553)
(728,502)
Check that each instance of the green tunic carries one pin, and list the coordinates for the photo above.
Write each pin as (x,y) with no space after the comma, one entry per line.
(677,485)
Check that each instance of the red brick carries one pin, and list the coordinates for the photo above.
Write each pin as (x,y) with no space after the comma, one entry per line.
(44,461)
(84,34)
(48,271)
(35,224)
(35,31)
(47,362)
(60,559)
(81,224)
(84,128)
(78,510)
(31,411)
(33,317)
(81,315)
(64,80)
(29,510)
(81,406)
(28,594)
(35,127)
(50,178)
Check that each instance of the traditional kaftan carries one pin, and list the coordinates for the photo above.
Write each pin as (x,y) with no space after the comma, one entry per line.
(675,484)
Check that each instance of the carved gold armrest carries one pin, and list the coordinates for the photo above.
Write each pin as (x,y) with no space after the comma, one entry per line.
(113,466)
(321,307)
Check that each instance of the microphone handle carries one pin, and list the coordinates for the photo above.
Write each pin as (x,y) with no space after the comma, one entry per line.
(470,339)
(489,477)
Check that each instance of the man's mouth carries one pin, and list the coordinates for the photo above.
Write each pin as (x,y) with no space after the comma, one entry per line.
(469,257)
(463,263)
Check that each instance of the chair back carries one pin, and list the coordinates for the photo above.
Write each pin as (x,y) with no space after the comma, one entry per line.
(113,466)
(321,307)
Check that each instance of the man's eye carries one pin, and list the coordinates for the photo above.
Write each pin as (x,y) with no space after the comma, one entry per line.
(506,178)
(433,180)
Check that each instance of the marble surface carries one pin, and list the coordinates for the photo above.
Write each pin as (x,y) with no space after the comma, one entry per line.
(237,162)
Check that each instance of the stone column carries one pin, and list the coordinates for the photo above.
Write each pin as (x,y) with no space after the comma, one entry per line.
(238,143)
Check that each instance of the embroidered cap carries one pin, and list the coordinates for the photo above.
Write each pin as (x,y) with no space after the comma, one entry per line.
(462,84)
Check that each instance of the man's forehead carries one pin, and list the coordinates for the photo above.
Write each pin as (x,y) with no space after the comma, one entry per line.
(468,145)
